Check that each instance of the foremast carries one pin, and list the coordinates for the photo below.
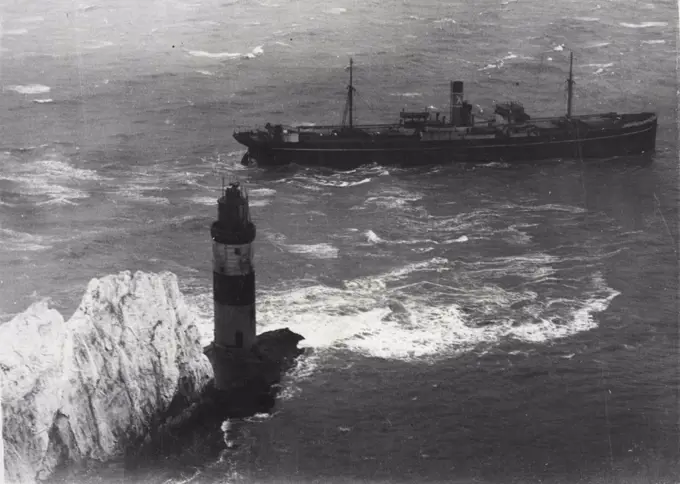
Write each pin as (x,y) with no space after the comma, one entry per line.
(349,106)
(570,84)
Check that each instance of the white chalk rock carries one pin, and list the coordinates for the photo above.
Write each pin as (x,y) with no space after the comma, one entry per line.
(84,388)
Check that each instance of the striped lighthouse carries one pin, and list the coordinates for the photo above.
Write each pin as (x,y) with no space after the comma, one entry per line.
(233,285)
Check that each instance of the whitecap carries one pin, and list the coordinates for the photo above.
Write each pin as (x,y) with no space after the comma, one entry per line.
(337,10)
(406,94)
(15,31)
(643,25)
(214,55)
(42,101)
(29,89)
(342,184)
(316,251)
(210,201)
(97,44)
(205,73)
(372,237)
(559,48)
(587,19)
(262,192)
(254,53)
(655,41)
(462,238)
(136,193)
(22,241)
(444,20)
(596,45)
(601,66)
(258,417)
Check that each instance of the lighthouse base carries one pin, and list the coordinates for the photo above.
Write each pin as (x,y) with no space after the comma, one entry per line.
(234,368)
(256,368)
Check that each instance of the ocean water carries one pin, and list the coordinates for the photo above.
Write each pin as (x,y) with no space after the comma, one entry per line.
(486,324)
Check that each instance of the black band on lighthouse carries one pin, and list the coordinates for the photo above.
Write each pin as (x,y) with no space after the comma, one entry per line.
(234,290)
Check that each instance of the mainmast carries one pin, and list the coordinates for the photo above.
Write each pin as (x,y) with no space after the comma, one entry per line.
(570,84)
(350,93)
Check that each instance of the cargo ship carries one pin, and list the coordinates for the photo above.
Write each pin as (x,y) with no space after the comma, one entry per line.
(424,137)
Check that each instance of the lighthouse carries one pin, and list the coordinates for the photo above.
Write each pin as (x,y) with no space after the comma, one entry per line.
(233,288)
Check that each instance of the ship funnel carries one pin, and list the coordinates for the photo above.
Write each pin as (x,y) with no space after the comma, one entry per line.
(456,102)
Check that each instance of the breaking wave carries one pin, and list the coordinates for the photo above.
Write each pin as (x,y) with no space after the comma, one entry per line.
(381,316)
(29,89)
(643,25)
(22,241)
(214,55)
(315,251)
(257,51)
(47,181)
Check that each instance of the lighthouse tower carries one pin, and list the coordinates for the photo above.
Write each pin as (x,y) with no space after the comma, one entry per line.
(233,286)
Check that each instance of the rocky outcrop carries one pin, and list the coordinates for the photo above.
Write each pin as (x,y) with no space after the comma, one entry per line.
(84,389)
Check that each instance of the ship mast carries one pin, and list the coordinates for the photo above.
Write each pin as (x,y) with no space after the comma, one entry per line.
(350,93)
(570,84)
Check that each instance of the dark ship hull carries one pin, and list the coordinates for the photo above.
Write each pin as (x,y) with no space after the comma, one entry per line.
(582,137)
(417,139)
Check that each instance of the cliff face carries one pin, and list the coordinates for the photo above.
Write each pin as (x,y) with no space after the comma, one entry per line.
(84,388)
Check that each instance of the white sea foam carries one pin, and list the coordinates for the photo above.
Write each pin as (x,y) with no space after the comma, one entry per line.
(97,44)
(337,10)
(22,241)
(559,48)
(655,41)
(445,20)
(261,192)
(29,89)
(214,55)
(643,25)
(137,194)
(340,183)
(406,94)
(392,198)
(369,318)
(601,66)
(595,45)
(315,251)
(587,19)
(55,181)
(374,239)
(210,201)
(254,53)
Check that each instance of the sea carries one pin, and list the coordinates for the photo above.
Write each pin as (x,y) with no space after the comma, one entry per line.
(491,323)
